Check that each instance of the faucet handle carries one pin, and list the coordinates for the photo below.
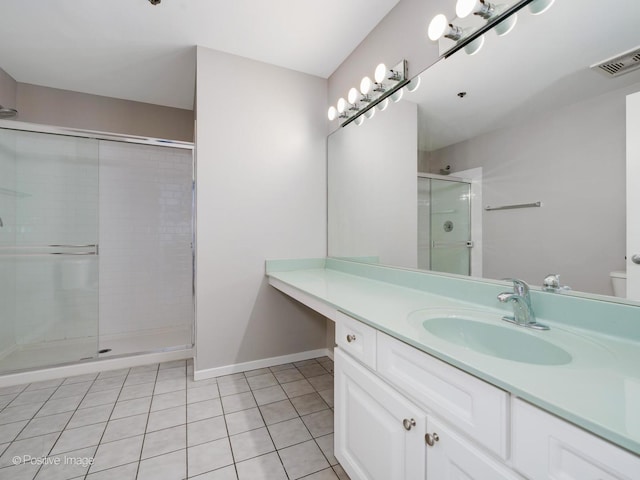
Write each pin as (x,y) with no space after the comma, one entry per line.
(520,287)
(551,283)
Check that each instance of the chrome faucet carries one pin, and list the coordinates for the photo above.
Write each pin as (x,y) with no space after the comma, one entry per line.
(522,311)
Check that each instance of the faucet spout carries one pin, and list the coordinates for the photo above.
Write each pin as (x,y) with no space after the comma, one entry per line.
(522,310)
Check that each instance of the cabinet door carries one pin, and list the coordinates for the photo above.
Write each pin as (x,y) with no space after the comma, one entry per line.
(546,447)
(379,435)
(453,457)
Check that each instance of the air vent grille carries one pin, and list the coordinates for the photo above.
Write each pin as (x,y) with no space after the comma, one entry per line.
(620,64)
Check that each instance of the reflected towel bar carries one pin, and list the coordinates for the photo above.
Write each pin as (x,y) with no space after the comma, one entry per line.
(95,250)
(510,207)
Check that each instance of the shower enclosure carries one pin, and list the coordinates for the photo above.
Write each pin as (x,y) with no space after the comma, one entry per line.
(444,224)
(96,246)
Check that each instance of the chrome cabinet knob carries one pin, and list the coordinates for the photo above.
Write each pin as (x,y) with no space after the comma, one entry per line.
(431,438)
(407,424)
(351,338)
(636,259)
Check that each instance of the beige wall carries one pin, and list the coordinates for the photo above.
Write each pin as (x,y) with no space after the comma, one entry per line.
(261,177)
(64,108)
(7,90)
(401,34)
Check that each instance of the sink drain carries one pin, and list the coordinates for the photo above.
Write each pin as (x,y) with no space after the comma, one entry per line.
(104,350)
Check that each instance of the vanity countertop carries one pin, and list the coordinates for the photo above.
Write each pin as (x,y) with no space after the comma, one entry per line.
(598,390)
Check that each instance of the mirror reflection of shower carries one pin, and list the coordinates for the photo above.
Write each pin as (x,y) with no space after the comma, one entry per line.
(446,240)
(6,112)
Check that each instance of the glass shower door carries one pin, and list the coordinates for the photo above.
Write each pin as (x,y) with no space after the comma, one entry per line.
(49,251)
(450,227)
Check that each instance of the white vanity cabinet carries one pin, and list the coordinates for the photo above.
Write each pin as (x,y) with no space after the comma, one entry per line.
(402,414)
(547,447)
(379,435)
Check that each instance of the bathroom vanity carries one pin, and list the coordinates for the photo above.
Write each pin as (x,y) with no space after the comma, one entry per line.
(431,383)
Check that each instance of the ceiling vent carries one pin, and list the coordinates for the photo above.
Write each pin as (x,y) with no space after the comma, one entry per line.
(620,64)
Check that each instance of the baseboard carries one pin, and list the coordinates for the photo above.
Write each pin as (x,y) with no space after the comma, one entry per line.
(255,364)
(93,366)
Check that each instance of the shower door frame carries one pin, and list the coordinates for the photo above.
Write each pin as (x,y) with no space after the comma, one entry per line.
(123,138)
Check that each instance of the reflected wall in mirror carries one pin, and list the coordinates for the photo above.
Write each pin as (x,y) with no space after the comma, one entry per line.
(535,124)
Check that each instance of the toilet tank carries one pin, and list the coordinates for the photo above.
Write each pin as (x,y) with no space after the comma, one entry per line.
(619,282)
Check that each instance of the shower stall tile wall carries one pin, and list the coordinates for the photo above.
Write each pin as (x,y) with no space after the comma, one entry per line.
(146,198)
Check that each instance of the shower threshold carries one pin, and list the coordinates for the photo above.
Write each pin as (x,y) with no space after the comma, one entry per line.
(52,354)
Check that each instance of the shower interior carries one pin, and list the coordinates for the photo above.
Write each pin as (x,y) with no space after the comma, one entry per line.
(96,247)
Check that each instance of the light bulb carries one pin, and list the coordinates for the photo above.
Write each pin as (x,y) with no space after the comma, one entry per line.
(382,106)
(370,113)
(475,46)
(332,114)
(413,85)
(464,8)
(437,27)
(342,105)
(506,25)
(365,86)
(538,7)
(397,95)
(380,73)
(359,121)
(352,97)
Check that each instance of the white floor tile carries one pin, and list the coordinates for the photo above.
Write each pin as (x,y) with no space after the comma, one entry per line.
(171,466)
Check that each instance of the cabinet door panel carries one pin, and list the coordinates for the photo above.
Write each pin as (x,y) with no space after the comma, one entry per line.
(371,441)
(453,457)
(546,447)
(475,407)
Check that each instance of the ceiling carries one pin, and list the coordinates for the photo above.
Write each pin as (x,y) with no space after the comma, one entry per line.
(133,50)
(541,65)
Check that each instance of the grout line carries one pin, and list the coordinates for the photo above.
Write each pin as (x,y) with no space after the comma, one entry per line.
(146,425)
(268,433)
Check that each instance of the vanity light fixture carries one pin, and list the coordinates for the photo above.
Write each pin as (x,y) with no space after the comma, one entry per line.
(414,84)
(500,17)
(487,10)
(538,7)
(388,83)
(382,106)
(439,27)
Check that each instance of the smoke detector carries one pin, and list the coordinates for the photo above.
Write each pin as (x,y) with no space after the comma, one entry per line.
(620,64)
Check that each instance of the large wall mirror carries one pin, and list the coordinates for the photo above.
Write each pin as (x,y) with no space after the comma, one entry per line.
(507,163)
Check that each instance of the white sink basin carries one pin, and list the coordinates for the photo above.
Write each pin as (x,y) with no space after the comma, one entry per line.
(498,341)
(484,332)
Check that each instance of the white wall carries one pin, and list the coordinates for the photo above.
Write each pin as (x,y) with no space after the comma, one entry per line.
(64,108)
(373,188)
(261,193)
(573,161)
(7,90)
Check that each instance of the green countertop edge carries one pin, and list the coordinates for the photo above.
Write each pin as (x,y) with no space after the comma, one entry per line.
(620,320)
(475,291)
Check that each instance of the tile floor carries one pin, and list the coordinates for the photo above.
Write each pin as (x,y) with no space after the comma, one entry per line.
(155,422)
